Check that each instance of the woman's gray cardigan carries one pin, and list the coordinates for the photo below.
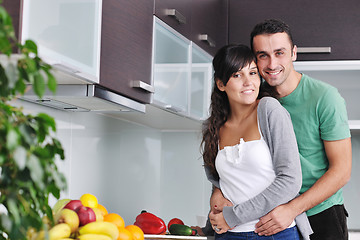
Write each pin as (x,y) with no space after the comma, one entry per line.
(277,130)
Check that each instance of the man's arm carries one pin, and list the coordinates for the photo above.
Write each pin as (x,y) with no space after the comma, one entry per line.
(339,155)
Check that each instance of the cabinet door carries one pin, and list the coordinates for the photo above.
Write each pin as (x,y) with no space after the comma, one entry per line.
(175,13)
(171,69)
(67,33)
(322,23)
(126,47)
(209,28)
(201,83)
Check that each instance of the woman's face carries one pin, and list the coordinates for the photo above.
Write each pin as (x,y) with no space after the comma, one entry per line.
(243,86)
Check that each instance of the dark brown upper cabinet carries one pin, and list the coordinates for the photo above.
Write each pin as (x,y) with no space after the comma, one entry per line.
(202,21)
(330,24)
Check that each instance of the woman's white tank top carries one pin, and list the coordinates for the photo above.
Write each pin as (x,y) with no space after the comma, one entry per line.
(245,170)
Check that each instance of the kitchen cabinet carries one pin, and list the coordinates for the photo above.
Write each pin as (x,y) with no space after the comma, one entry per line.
(209,28)
(176,14)
(323,23)
(202,21)
(102,42)
(182,73)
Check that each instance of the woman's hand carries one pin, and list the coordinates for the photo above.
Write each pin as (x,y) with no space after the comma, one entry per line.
(217,199)
(218,222)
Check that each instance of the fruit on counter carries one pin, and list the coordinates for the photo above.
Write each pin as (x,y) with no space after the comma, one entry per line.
(68,216)
(115,219)
(59,231)
(180,229)
(94,236)
(150,223)
(104,228)
(74,205)
(99,215)
(136,232)
(59,205)
(124,234)
(86,215)
(176,221)
(89,200)
(103,210)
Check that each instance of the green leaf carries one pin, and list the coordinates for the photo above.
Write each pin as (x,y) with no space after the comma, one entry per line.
(20,157)
(12,139)
(39,85)
(51,82)
(6,222)
(30,46)
(14,210)
(28,134)
(48,120)
(36,171)
(11,74)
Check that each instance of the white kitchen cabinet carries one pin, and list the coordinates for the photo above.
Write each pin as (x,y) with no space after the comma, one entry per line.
(200,87)
(171,69)
(67,34)
(181,73)
(106,43)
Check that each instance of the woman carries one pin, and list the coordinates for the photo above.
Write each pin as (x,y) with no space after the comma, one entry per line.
(249,149)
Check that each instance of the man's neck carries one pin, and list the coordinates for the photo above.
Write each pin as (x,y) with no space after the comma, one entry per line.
(290,84)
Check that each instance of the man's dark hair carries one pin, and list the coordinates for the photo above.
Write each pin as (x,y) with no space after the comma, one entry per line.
(271,26)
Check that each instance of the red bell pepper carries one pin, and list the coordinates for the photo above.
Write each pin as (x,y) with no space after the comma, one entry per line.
(150,224)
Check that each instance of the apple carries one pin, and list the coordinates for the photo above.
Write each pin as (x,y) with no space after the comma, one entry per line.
(68,216)
(74,205)
(86,215)
(60,204)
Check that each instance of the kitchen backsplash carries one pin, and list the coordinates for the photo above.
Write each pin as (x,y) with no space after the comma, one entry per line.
(131,167)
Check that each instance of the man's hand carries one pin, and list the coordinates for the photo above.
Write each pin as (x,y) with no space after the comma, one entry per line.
(217,199)
(275,221)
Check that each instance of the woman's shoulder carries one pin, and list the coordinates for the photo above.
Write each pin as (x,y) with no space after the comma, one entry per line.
(269,103)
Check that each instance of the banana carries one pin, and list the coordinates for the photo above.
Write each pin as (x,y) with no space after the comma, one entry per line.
(61,230)
(94,236)
(104,228)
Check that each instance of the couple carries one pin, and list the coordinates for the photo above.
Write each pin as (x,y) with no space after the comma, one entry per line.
(260,153)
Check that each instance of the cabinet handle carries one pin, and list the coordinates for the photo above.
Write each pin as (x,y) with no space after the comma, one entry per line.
(173,109)
(65,68)
(206,38)
(176,14)
(142,85)
(314,49)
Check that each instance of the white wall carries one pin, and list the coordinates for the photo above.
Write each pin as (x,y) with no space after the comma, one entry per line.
(130,167)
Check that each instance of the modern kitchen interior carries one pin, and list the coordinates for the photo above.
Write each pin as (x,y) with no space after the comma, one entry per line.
(134,83)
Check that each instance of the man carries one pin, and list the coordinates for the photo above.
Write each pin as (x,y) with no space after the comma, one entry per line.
(319,118)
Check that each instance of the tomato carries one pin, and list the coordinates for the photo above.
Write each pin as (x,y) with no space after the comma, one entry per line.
(176,221)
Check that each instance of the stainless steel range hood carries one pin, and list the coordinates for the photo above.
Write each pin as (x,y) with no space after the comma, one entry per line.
(83,98)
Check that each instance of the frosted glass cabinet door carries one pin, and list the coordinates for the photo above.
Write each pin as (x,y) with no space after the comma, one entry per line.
(67,33)
(171,70)
(201,79)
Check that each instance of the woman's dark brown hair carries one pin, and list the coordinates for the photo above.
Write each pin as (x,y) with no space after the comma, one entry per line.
(227,61)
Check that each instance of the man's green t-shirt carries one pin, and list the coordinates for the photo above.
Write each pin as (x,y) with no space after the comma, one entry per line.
(318,113)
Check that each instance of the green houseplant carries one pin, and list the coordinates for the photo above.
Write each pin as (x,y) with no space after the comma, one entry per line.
(28,148)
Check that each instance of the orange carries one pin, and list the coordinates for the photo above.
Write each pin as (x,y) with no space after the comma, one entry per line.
(136,232)
(89,200)
(115,219)
(102,209)
(124,234)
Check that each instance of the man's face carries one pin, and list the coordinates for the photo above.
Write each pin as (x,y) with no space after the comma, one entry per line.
(274,57)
